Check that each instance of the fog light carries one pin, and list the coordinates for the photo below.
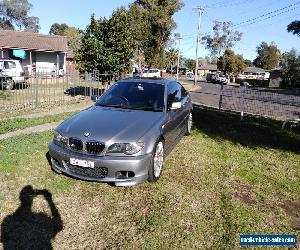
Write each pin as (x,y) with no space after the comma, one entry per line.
(124,174)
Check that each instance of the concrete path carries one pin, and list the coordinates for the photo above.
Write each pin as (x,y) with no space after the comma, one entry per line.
(26,131)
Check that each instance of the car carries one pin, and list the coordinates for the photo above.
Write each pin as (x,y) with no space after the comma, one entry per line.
(189,73)
(124,138)
(152,73)
(11,74)
(210,77)
(221,79)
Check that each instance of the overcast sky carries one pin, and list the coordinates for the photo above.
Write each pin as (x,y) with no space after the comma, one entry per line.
(77,13)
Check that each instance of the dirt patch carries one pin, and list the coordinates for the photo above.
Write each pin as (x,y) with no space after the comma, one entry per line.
(244,194)
(292,208)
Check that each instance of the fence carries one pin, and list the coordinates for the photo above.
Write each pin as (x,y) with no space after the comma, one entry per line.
(279,104)
(49,89)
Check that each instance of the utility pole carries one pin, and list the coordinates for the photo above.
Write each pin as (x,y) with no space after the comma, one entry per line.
(178,38)
(200,12)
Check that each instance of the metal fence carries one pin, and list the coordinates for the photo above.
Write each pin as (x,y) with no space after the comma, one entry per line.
(274,103)
(47,89)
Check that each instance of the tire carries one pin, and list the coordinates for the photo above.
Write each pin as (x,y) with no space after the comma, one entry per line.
(189,124)
(156,166)
(9,84)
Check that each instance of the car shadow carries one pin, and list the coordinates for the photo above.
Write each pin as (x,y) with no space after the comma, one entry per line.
(250,132)
(26,229)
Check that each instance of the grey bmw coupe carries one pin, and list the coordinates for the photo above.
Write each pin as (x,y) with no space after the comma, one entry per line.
(125,137)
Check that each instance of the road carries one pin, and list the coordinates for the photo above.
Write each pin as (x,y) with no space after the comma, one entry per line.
(208,94)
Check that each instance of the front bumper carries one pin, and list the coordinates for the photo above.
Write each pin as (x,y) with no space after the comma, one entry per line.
(137,166)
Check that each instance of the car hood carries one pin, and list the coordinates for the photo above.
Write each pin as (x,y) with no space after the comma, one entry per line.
(110,124)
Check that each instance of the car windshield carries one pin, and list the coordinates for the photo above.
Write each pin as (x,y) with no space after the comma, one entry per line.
(134,95)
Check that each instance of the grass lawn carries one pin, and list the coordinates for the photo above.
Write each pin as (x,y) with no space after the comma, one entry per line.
(228,178)
(9,125)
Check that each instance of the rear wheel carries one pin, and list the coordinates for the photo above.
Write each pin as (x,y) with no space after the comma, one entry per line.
(157,162)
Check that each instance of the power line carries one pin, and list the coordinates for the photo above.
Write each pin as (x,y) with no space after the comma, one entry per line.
(269,13)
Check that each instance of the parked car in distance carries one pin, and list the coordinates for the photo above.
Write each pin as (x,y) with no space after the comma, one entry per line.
(189,73)
(125,137)
(11,74)
(221,79)
(210,77)
(152,73)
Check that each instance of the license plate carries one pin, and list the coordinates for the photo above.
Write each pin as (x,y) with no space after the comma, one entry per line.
(82,163)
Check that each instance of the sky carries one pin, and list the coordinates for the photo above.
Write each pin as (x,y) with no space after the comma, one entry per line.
(269,27)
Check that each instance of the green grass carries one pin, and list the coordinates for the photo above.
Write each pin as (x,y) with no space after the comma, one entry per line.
(228,178)
(9,125)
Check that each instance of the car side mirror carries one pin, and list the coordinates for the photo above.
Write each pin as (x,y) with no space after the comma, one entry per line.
(94,98)
(176,105)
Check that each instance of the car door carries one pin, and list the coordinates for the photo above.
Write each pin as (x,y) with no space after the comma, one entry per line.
(185,108)
(172,127)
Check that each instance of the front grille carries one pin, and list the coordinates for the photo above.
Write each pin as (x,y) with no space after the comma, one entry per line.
(75,144)
(99,172)
(94,147)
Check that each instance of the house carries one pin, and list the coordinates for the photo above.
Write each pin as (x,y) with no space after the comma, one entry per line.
(35,51)
(256,73)
(205,69)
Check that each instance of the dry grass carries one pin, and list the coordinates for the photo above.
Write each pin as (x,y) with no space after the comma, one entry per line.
(218,183)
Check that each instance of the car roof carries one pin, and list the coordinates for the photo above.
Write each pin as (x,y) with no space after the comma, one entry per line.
(148,80)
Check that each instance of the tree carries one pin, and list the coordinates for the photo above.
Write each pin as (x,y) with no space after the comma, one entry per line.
(223,38)
(14,13)
(231,63)
(190,63)
(172,57)
(294,27)
(58,29)
(73,35)
(107,44)
(248,63)
(268,56)
(152,24)
(290,63)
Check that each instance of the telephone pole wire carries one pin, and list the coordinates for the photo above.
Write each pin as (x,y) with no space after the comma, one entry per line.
(200,12)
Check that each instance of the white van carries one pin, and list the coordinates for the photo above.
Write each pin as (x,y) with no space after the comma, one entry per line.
(155,73)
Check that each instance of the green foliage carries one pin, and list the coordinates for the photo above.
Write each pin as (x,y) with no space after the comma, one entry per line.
(231,63)
(107,44)
(290,63)
(73,35)
(268,56)
(172,57)
(153,23)
(248,63)
(15,13)
(58,29)
(223,38)
(294,27)
(190,63)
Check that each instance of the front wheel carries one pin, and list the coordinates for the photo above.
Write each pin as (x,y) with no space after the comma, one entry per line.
(157,162)
(9,84)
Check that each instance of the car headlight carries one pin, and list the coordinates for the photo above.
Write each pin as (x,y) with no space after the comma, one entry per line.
(60,140)
(125,148)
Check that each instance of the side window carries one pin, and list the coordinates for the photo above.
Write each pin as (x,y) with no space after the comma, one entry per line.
(184,93)
(174,93)
(9,65)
